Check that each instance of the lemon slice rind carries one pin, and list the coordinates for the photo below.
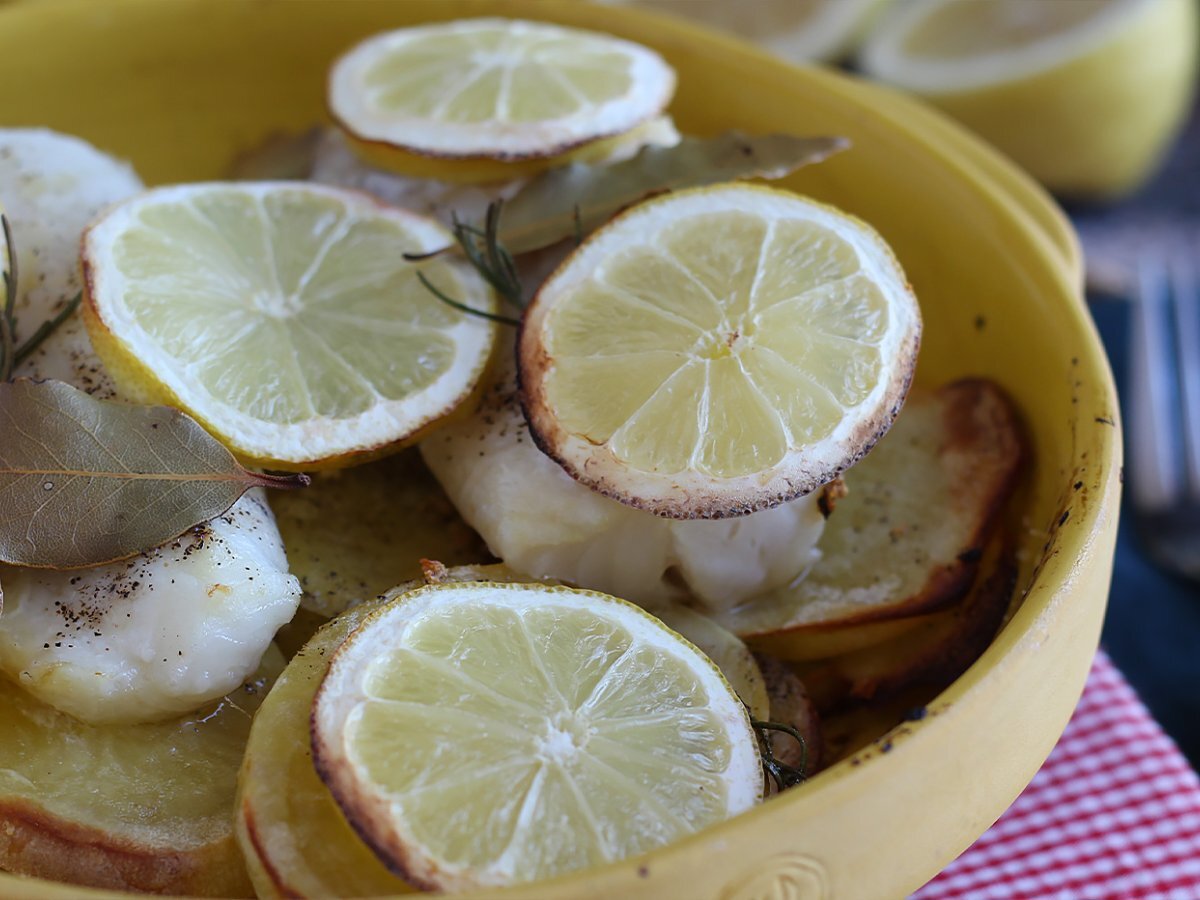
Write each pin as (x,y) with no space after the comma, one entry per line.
(509,43)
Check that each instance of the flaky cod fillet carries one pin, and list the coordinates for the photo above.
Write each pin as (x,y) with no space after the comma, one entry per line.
(543,523)
(154,636)
(166,631)
(176,634)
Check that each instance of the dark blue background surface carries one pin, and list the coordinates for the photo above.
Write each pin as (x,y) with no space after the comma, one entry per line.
(1153,625)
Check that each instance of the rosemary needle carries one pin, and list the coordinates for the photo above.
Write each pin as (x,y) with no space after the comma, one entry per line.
(12,355)
(46,329)
(488,256)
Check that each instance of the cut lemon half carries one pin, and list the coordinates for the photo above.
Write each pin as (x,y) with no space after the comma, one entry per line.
(718,351)
(491,734)
(497,89)
(284,317)
(1046,81)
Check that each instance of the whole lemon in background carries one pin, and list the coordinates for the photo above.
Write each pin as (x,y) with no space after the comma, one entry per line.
(798,30)
(1087,94)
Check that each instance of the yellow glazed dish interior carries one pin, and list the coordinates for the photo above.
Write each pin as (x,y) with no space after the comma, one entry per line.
(180,88)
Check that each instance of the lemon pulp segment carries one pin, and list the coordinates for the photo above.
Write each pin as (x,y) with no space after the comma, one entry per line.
(284,317)
(718,336)
(500,88)
(493,734)
(518,75)
(724,648)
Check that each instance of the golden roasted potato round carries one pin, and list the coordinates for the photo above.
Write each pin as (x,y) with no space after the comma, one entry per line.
(126,807)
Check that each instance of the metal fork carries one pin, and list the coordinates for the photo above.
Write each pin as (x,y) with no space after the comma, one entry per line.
(1164,409)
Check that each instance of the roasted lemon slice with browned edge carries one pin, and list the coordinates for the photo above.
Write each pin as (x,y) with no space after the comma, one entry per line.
(126,807)
(492,99)
(561,705)
(297,842)
(718,351)
(284,317)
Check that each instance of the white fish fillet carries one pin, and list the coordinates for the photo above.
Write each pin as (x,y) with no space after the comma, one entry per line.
(164,632)
(156,635)
(52,185)
(541,522)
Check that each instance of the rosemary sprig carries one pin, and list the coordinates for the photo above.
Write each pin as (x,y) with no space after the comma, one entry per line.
(46,329)
(488,256)
(450,301)
(500,261)
(12,355)
(8,318)
(783,775)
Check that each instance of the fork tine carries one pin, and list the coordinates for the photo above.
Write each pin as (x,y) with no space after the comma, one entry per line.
(1152,452)
(1186,302)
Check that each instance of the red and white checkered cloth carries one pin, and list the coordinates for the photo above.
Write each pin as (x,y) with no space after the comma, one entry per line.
(1114,814)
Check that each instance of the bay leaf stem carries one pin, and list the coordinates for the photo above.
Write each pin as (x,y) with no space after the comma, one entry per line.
(282,481)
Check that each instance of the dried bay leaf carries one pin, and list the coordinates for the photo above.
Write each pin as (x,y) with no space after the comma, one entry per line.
(85,482)
(544,211)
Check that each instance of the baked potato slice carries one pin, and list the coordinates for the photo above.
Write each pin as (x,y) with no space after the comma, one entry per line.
(932,654)
(906,540)
(143,808)
(354,533)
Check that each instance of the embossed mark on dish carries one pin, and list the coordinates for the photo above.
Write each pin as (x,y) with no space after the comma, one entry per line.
(786,876)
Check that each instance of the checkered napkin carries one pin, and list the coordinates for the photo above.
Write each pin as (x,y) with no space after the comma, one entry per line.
(1114,814)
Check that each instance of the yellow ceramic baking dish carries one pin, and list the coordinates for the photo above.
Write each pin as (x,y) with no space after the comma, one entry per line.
(179,88)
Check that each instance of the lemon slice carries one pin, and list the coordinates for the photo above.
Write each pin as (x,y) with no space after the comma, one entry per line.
(500,89)
(295,839)
(283,317)
(491,734)
(1046,81)
(718,351)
